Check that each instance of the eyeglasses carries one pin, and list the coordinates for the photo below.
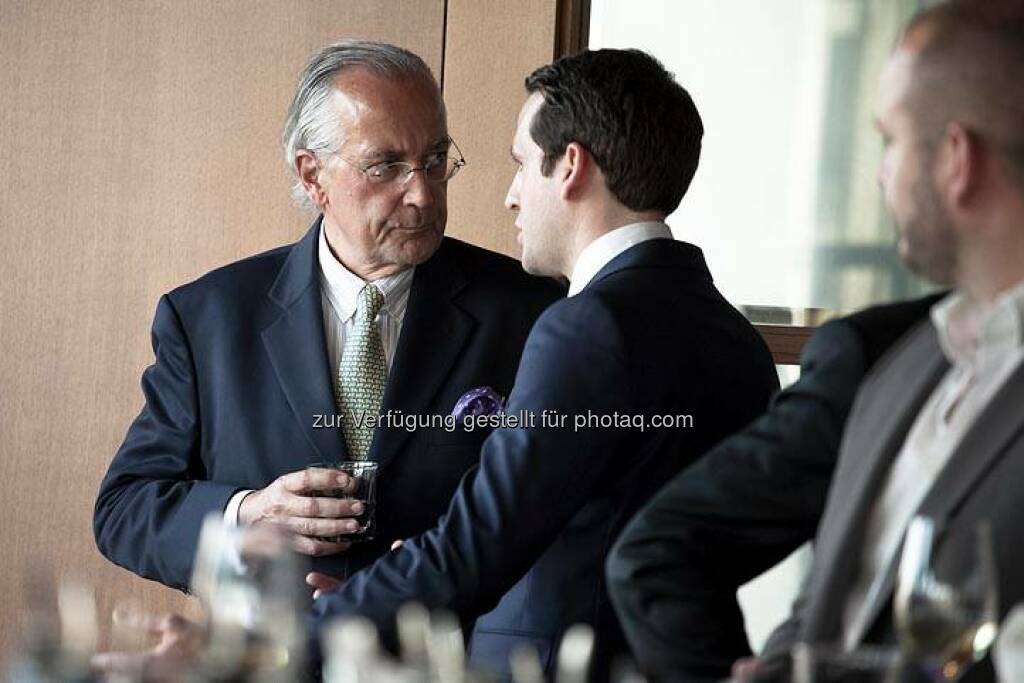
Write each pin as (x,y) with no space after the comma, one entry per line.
(439,167)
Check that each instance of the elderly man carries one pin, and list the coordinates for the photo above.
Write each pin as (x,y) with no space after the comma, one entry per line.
(374,309)
(640,370)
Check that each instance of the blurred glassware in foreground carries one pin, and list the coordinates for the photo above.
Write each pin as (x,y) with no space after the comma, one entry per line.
(575,654)
(946,615)
(59,634)
(250,585)
(433,651)
(1008,650)
(255,605)
(833,664)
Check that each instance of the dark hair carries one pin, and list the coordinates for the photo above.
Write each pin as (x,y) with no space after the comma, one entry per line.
(629,113)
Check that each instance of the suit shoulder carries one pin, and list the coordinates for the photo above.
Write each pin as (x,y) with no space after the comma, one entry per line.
(588,315)
(248,276)
(889,314)
(879,327)
(491,270)
(580,304)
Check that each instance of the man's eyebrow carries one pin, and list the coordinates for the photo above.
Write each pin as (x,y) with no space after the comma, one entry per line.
(381,153)
(392,154)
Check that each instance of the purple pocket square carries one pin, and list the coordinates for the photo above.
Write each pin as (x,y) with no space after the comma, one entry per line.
(479,401)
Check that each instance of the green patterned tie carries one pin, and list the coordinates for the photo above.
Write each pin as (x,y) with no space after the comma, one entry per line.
(362,374)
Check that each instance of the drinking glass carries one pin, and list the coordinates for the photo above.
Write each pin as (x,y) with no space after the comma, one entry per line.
(832,664)
(947,616)
(250,585)
(363,487)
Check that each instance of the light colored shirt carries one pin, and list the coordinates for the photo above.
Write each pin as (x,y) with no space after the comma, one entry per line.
(339,292)
(601,251)
(984,346)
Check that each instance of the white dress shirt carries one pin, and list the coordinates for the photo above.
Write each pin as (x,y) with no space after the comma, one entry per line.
(984,346)
(339,292)
(601,251)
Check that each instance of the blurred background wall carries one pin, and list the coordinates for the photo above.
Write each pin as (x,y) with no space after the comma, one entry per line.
(139,149)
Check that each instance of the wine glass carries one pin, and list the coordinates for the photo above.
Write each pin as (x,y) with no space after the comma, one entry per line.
(250,585)
(947,616)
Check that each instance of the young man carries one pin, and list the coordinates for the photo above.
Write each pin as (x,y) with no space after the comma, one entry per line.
(639,371)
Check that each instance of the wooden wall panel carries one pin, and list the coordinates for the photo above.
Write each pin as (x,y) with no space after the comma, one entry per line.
(138,149)
(491,47)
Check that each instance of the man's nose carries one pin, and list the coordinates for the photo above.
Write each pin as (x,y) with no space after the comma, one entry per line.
(418,190)
(512,198)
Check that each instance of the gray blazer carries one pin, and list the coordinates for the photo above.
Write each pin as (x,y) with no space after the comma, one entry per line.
(984,479)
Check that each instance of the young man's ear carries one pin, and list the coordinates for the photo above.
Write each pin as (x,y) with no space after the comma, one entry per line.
(574,169)
(307,167)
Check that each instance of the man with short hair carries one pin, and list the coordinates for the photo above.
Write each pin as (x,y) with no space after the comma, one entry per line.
(937,429)
(373,310)
(743,507)
(641,369)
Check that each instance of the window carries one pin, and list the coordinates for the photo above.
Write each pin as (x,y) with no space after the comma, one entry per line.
(785,203)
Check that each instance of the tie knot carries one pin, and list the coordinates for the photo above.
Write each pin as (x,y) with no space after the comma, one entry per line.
(370,301)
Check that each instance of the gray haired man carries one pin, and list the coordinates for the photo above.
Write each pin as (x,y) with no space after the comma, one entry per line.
(373,310)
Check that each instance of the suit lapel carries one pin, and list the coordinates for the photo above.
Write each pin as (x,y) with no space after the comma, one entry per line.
(875,432)
(295,342)
(980,449)
(434,332)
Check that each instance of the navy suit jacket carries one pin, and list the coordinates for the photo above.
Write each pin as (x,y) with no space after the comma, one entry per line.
(522,546)
(241,372)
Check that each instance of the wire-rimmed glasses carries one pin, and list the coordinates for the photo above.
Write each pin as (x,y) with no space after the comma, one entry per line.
(439,167)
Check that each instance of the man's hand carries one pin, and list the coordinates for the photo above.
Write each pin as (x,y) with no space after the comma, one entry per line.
(744,670)
(180,645)
(299,502)
(322,583)
(772,669)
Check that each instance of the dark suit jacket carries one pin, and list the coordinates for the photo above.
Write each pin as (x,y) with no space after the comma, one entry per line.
(982,480)
(744,507)
(241,370)
(523,543)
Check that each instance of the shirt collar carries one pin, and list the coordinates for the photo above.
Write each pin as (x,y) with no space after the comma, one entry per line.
(970,332)
(601,251)
(341,286)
